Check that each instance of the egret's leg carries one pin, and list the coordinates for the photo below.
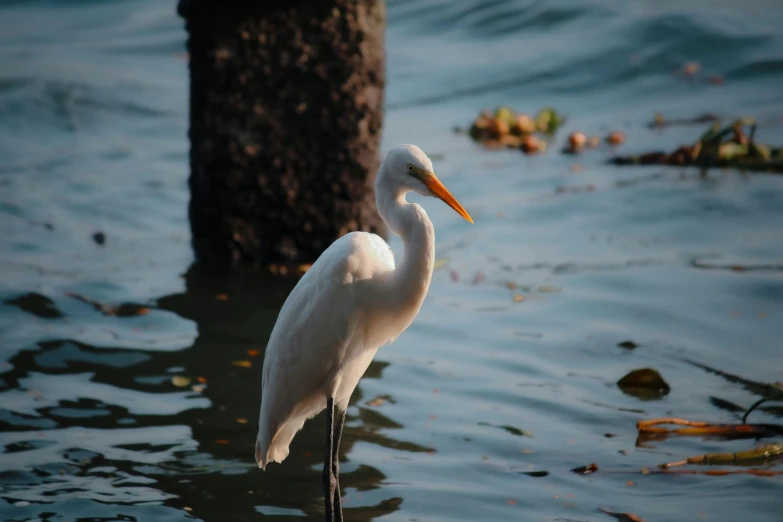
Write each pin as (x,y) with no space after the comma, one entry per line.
(330,482)
(339,422)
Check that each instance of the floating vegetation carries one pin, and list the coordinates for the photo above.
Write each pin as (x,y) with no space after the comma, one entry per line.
(753,457)
(728,146)
(537,474)
(586,470)
(654,427)
(659,121)
(644,383)
(505,128)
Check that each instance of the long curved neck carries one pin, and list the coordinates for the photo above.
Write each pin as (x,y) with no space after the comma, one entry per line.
(407,286)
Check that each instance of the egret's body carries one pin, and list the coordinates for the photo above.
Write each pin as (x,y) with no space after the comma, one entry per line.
(352,301)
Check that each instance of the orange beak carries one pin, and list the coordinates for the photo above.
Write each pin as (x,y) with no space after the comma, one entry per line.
(436,187)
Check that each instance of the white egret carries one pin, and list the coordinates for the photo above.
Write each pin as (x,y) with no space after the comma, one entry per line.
(351,302)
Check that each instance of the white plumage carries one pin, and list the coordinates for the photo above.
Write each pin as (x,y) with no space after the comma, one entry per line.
(351,302)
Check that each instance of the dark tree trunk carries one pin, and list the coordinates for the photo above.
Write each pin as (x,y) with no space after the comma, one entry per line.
(286,106)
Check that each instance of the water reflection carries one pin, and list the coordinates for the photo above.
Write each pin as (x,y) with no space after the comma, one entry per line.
(132,426)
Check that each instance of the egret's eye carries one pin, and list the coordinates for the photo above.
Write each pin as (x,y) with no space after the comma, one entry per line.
(410,168)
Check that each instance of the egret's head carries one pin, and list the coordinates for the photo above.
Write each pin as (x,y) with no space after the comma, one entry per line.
(407,166)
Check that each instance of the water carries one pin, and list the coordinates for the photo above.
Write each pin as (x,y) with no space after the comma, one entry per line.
(140,416)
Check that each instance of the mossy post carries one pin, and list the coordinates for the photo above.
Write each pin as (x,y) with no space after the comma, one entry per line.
(286,107)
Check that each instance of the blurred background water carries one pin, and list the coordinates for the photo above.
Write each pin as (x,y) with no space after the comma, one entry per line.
(129,387)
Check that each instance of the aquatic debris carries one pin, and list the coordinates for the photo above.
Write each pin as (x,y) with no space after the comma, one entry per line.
(659,120)
(699,428)
(531,144)
(689,69)
(586,470)
(752,457)
(615,138)
(181,381)
(729,146)
(505,128)
(576,143)
(548,120)
(622,517)
(723,472)
(99,237)
(376,401)
(537,474)
(577,140)
(242,364)
(775,397)
(440,263)
(644,383)
(628,345)
(511,429)
(221,297)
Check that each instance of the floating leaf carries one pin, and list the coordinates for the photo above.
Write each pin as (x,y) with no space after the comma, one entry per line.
(180,381)
(537,474)
(615,138)
(376,401)
(586,470)
(644,383)
(440,263)
(221,297)
(628,345)
(242,421)
(253,352)
(759,150)
(518,298)
(506,115)
(242,364)
(729,151)
(548,120)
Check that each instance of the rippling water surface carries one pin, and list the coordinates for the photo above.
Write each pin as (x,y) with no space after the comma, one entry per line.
(129,384)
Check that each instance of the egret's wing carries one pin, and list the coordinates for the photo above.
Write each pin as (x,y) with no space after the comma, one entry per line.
(313,331)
